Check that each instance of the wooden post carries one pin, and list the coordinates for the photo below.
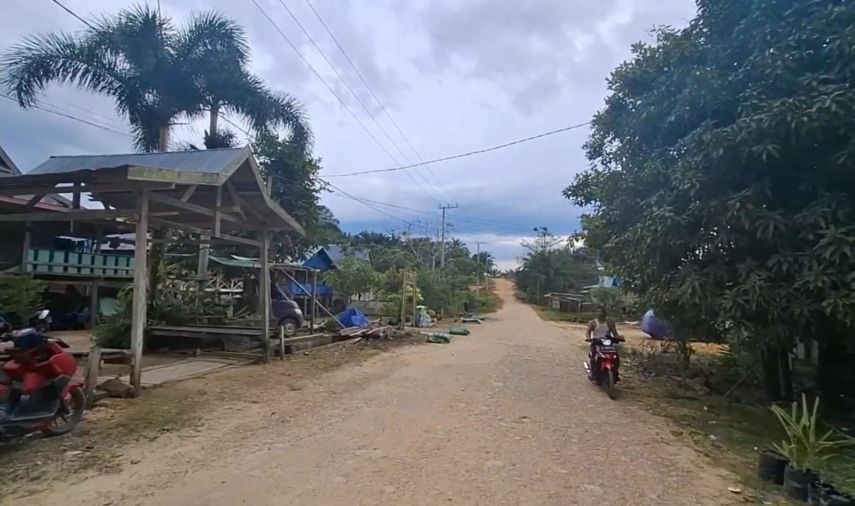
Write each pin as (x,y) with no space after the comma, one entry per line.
(25,247)
(314,301)
(93,367)
(93,304)
(139,305)
(202,264)
(264,296)
(403,296)
(415,303)
(281,342)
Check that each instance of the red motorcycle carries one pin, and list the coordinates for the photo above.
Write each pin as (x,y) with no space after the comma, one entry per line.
(37,392)
(603,363)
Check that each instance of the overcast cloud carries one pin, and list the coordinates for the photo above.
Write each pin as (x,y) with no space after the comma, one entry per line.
(456,75)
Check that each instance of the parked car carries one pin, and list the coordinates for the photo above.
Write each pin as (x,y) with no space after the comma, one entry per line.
(287,312)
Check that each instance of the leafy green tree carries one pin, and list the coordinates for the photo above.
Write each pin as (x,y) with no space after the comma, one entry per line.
(722,176)
(296,186)
(353,277)
(551,265)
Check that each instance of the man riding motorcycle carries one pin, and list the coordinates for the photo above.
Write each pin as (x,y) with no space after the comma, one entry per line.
(599,328)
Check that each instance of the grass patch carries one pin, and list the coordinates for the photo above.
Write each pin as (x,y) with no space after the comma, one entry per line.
(554,315)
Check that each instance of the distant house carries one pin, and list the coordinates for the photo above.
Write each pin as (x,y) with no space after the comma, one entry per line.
(326,258)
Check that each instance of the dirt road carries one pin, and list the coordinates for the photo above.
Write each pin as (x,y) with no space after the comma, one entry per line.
(503,416)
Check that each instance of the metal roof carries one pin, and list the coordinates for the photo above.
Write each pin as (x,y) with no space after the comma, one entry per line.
(218,162)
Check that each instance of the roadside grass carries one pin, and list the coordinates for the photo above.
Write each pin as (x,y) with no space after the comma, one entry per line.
(554,315)
(490,302)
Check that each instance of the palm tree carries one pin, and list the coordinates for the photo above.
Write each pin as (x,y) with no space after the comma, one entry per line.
(156,72)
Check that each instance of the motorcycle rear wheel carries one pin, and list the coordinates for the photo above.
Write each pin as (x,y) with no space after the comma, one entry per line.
(65,423)
(609,384)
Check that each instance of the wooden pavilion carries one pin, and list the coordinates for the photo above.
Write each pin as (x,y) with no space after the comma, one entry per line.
(216,194)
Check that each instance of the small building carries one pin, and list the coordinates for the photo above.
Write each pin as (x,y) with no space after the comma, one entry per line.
(328,258)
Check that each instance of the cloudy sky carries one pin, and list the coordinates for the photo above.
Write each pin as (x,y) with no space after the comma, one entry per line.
(456,76)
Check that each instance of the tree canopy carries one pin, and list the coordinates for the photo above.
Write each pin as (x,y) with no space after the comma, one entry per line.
(721,180)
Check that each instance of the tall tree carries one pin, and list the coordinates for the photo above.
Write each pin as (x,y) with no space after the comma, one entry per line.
(157,72)
(723,175)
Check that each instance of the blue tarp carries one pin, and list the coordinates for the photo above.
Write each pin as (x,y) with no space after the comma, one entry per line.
(654,327)
(353,317)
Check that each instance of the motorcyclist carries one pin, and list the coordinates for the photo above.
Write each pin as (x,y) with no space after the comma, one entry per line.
(598,329)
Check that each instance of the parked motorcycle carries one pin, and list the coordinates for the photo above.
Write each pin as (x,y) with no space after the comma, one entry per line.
(37,392)
(606,363)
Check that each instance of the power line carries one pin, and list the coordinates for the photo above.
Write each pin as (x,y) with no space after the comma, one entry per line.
(361,201)
(75,118)
(463,155)
(373,94)
(325,83)
(352,92)
(66,9)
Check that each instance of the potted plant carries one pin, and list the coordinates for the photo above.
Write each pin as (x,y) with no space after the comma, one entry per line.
(805,450)
(771,465)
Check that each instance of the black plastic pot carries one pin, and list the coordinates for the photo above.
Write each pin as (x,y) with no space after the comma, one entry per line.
(816,491)
(770,467)
(831,497)
(796,483)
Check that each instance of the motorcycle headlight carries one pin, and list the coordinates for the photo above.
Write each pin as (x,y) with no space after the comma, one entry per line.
(606,342)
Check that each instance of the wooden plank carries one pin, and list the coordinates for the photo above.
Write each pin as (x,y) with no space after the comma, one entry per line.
(190,207)
(75,215)
(25,252)
(189,192)
(281,343)
(138,318)
(93,304)
(218,213)
(93,367)
(241,240)
(264,296)
(35,200)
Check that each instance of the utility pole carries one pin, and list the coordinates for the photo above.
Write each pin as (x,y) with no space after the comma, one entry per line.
(442,252)
(478,261)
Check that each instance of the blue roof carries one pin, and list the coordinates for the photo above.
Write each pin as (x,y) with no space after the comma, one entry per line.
(327,257)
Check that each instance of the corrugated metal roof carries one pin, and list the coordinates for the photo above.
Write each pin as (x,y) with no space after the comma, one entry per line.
(208,161)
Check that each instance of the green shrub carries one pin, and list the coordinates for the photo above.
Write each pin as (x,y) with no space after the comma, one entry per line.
(20,295)
(114,331)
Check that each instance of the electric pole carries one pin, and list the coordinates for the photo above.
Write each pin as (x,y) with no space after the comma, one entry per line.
(442,251)
(478,261)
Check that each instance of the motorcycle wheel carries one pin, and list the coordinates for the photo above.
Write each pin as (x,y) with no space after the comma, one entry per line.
(609,384)
(65,423)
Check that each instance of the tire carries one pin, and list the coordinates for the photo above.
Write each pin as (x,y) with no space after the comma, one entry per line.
(609,384)
(76,405)
(290,325)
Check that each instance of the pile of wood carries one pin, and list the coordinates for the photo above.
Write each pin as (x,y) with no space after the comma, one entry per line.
(371,331)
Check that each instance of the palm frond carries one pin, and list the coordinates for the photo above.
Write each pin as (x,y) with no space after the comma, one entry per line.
(29,67)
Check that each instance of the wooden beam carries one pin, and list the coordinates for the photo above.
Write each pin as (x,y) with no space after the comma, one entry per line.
(187,206)
(180,226)
(217,213)
(235,199)
(206,232)
(189,192)
(93,366)
(75,215)
(25,248)
(264,296)
(139,305)
(35,200)
(240,240)
(240,200)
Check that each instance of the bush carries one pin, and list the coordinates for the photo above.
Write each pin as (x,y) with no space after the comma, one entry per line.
(114,331)
(20,295)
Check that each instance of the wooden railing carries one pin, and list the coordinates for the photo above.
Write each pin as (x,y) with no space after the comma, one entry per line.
(74,263)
